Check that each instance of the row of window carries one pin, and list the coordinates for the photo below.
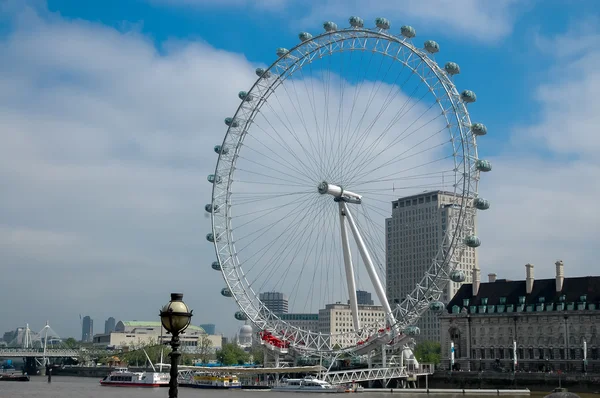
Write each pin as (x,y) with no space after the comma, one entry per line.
(533,353)
(483,309)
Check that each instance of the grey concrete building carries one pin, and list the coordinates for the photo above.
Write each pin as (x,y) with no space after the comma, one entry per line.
(363,298)
(551,321)
(109,325)
(87,329)
(415,233)
(275,301)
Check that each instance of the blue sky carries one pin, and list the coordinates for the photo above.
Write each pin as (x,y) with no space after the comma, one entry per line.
(111,109)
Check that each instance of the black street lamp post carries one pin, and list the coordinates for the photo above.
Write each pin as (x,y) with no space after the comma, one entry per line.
(175,318)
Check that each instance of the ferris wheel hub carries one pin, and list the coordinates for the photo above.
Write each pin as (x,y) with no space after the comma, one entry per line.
(338,193)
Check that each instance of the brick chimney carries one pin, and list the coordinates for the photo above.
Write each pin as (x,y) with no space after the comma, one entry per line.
(560,275)
(476,281)
(492,277)
(529,279)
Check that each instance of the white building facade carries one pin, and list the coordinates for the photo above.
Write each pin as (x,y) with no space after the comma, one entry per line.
(337,318)
(415,234)
(134,334)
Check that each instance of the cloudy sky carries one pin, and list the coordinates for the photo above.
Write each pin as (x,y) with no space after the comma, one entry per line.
(110,110)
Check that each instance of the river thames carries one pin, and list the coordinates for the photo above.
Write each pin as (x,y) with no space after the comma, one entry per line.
(80,387)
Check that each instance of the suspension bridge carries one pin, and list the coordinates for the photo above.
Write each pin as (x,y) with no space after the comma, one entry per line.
(39,349)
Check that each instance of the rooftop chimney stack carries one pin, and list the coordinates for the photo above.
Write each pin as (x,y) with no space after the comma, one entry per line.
(492,277)
(560,275)
(529,280)
(476,281)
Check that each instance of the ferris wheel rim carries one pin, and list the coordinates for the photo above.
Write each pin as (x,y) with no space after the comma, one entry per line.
(467,143)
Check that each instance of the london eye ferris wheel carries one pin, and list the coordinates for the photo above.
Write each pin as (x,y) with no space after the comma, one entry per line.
(331,133)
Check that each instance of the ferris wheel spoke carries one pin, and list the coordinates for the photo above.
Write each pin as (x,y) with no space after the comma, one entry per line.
(374,90)
(283,163)
(289,126)
(299,183)
(277,257)
(281,142)
(361,138)
(266,228)
(366,155)
(298,107)
(287,176)
(361,172)
(290,253)
(388,176)
(344,128)
(357,149)
(300,172)
(362,163)
(310,250)
(397,140)
(261,212)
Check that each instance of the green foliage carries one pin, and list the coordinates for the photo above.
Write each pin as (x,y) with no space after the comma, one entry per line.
(232,354)
(428,352)
(205,349)
(257,355)
(71,343)
(135,355)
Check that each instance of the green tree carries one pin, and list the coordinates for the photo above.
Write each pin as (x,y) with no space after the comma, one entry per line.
(205,348)
(428,352)
(71,343)
(232,354)
(257,354)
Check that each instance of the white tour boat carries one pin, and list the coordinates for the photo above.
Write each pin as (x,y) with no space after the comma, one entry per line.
(308,384)
(212,381)
(122,377)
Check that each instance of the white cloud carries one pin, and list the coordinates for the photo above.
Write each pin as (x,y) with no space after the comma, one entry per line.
(106,145)
(262,4)
(484,21)
(472,19)
(544,188)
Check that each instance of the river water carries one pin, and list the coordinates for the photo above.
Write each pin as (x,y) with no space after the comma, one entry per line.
(82,387)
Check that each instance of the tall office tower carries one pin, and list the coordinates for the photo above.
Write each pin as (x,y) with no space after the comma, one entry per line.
(109,325)
(209,328)
(414,235)
(363,298)
(87,329)
(275,301)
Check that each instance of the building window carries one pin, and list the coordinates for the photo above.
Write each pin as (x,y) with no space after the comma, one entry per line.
(551,353)
(530,353)
(562,353)
(572,354)
(520,354)
(541,353)
(594,353)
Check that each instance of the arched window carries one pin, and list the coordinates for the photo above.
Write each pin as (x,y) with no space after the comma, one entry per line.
(572,340)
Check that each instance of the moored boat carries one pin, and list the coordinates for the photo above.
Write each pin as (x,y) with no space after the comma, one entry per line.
(122,377)
(308,384)
(13,377)
(212,381)
(354,387)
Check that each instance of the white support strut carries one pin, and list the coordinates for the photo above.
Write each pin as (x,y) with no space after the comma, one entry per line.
(349,269)
(362,247)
